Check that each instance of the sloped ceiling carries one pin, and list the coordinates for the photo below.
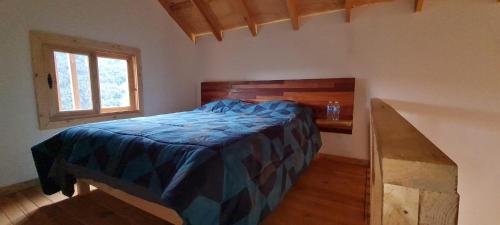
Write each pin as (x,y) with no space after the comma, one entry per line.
(213,17)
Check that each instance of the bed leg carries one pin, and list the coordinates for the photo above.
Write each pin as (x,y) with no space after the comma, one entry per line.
(82,187)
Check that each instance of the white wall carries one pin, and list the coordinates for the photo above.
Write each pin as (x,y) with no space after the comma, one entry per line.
(166,63)
(439,68)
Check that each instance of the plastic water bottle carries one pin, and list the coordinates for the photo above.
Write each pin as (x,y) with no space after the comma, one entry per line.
(336,110)
(330,111)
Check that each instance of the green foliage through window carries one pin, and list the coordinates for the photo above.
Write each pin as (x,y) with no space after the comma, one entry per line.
(66,84)
(113,82)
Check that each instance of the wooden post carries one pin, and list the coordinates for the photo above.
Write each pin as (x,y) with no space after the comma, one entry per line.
(82,187)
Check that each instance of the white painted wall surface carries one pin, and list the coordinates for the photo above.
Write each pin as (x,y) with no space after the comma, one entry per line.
(166,63)
(439,68)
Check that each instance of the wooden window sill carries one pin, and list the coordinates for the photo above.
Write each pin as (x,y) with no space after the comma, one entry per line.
(61,123)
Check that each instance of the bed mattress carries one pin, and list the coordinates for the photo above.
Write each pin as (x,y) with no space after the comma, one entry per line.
(227,162)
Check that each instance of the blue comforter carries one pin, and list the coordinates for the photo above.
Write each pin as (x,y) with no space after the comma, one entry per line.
(227,162)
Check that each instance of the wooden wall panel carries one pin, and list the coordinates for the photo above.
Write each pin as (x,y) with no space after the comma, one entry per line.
(314,93)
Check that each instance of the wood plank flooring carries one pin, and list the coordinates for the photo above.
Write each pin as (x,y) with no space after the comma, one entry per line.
(30,207)
(331,191)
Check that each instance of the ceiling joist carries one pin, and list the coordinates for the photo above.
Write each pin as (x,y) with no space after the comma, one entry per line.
(351,4)
(205,17)
(242,7)
(419,4)
(293,13)
(182,23)
(210,17)
(348,10)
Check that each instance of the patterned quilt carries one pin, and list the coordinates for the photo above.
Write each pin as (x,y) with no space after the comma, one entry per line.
(227,162)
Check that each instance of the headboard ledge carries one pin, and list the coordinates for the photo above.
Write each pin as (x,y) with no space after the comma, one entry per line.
(314,93)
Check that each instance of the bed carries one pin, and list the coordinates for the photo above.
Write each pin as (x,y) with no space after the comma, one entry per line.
(226,162)
(230,161)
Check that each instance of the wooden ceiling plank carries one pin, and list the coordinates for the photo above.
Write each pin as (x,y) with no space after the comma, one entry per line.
(242,7)
(181,5)
(204,20)
(210,17)
(419,4)
(293,13)
(182,23)
(348,10)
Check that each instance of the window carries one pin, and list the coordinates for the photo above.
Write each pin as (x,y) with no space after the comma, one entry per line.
(79,80)
(73,81)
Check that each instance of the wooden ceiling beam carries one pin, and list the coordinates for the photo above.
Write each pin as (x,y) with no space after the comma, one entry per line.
(349,4)
(168,6)
(181,5)
(242,7)
(210,17)
(293,13)
(419,4)
(198,17)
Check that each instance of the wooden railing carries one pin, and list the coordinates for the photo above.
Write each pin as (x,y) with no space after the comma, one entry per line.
(412,181)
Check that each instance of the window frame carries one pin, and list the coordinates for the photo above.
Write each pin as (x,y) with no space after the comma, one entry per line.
(43,46)
(131,77)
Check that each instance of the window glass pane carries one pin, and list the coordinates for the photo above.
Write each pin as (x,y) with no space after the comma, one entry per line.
(113,82)
(73,81)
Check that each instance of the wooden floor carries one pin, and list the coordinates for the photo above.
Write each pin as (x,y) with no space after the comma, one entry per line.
(330,191)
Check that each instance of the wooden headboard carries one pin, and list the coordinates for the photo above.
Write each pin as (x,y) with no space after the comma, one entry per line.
(314,93)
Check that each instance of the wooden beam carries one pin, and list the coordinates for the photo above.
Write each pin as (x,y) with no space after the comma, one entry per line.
(210,17)
(82,187)
(186,4)
(74,81)
(412,180)
(242,7)
(348,10)
(400,205)
(160,211)
(419,4)
(293,13)
(168,6)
